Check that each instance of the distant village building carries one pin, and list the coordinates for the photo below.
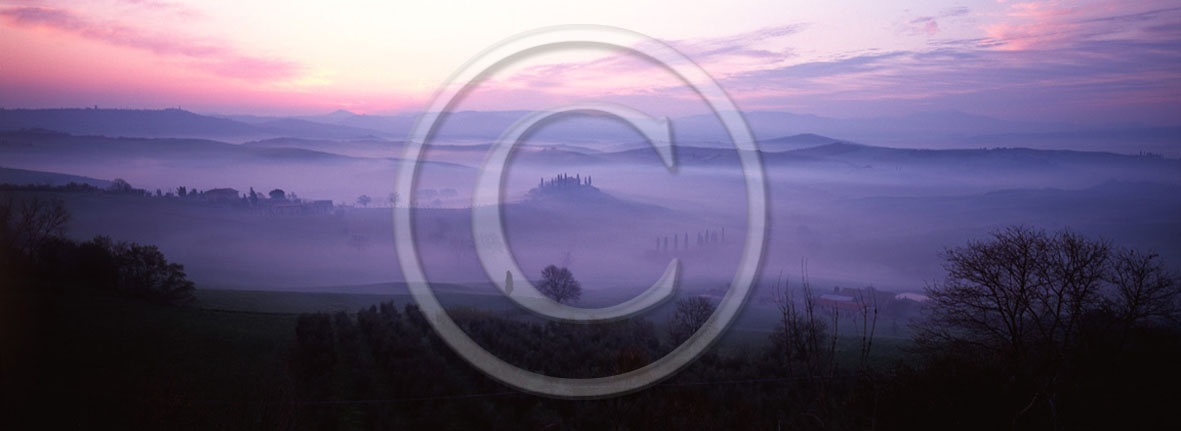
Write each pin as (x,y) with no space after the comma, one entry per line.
(297,208)
(286,209)
(320,207)
(222,195)
(842,302)
(911,296)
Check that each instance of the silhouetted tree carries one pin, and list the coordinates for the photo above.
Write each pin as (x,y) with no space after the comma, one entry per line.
(31,230)
(364,200)
(867,313)
(1019,289)
(277,194)
(690,315)
(1038,306)
(559,284)
(801,340)
(144,272)
(1143,289)
(119,185)
(28,223)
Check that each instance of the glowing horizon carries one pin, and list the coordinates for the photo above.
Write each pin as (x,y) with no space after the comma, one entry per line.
(1046,61)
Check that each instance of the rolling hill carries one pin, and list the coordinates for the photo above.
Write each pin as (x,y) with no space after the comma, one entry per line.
(27,177)
(172,123)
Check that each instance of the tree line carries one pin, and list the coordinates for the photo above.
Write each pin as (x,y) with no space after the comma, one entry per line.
(35,254)
(1029,330)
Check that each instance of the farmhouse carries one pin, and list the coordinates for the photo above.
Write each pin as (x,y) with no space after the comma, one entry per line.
(222,195)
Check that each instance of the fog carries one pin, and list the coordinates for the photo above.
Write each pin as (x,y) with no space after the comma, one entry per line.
(858,214)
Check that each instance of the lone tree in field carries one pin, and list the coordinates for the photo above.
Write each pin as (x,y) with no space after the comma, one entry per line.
(364,200)
(559,285)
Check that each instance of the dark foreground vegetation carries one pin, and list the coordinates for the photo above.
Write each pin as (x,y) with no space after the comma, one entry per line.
(1030,330)
(33,249)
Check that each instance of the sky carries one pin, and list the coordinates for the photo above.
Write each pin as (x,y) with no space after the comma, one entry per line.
(1054,61)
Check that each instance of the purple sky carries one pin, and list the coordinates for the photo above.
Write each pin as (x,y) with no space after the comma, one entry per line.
(1079,62)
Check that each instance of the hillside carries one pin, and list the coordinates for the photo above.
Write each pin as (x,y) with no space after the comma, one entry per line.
(27,177)
(173,123)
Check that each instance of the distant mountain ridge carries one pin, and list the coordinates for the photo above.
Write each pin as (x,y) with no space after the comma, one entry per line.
(775,130)
(168,123)
(121,122)
(804,148)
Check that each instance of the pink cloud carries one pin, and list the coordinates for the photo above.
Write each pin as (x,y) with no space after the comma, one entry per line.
(929,25)
(175,8)
(215,58)
(626,75)
(1090,61)
(1052,24)
(1035,25)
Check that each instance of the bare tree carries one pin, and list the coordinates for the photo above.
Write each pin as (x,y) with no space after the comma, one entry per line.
(801,335)
(1143,290)
(1072,269)
(690,315)
(1022,296)
(987,297)
(26,224)
(1024,288)
(867,308)
(788,333)
(559,284)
